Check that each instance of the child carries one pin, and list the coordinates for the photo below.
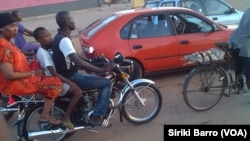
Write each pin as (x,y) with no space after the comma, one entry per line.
(44,57)
(28,48)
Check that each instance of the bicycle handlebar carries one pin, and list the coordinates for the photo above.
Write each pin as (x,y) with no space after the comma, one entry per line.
(225,46)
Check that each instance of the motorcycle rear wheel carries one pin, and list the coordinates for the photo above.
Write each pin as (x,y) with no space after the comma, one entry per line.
(32,117)
(134,112)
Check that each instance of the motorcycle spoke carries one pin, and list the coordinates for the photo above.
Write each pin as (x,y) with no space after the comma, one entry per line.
(136,109)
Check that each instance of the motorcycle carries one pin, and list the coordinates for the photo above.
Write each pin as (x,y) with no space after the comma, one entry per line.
(138,101)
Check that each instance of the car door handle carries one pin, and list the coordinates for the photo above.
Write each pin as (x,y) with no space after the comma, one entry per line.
(184,42)
(215,18)
(137,46)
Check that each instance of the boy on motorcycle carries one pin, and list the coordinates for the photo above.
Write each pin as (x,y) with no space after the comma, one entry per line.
(44,57)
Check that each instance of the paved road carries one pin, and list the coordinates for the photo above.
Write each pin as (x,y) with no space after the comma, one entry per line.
(230,110)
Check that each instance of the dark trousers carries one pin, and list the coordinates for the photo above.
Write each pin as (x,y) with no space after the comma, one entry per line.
(246,63)
(238,65)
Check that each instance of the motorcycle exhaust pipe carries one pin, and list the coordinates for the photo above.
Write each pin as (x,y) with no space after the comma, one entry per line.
(40,134)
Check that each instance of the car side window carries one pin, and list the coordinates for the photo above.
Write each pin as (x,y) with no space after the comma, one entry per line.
(124,33)
(150,26)
(134,31)
(215,7)
(187,23)
(192,4)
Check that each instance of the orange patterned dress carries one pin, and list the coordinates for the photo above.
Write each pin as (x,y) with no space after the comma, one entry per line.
(49,86)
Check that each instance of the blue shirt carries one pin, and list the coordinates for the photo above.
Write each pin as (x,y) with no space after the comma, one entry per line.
(241,35)
(19,39)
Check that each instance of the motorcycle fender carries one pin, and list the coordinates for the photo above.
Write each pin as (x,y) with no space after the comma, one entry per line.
(134,83)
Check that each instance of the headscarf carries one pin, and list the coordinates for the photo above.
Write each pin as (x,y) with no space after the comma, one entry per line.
(5,19)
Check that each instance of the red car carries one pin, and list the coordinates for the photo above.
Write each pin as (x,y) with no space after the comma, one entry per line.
(155,39)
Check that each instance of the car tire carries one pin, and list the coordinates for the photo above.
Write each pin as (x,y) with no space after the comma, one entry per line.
(137,71)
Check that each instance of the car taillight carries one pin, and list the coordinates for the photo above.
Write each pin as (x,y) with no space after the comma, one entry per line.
(86,52)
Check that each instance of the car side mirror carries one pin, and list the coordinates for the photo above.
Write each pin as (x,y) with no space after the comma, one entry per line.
(231,10)
(216,28)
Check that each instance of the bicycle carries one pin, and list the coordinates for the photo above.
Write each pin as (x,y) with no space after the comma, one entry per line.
(207,82)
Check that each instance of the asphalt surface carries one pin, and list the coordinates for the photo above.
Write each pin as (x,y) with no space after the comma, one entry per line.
(230,110)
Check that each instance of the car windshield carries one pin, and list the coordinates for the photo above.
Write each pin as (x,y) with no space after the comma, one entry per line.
(102,24)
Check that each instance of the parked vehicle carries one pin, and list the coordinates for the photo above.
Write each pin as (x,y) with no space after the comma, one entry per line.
(138,101)
(216,10)
(154,39)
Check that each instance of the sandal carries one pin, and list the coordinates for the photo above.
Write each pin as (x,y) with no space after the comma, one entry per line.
(99,121)
(69,125)
(52,121)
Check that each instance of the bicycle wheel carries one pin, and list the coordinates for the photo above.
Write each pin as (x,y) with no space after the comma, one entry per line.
(31,118)
(136,113)
(204,87)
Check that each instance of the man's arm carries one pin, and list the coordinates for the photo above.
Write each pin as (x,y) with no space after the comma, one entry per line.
(28,32)
(68,50)
(84,64)
(83,56)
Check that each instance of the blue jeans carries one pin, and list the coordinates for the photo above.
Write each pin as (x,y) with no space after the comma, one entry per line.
(88,82)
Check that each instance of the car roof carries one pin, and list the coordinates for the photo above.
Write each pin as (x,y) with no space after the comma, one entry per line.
(140,11)
(154,9)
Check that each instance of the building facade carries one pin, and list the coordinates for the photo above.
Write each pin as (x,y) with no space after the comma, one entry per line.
(34,8)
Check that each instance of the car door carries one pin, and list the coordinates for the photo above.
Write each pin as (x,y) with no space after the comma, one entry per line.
(222,13)
(195,34)
(194,5)
(152,42)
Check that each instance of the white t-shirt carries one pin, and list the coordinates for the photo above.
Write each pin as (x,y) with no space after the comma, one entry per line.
(66,46)
(45,59)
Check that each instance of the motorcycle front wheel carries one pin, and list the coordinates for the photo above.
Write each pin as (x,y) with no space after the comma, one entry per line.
(133,111)
(31,123)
